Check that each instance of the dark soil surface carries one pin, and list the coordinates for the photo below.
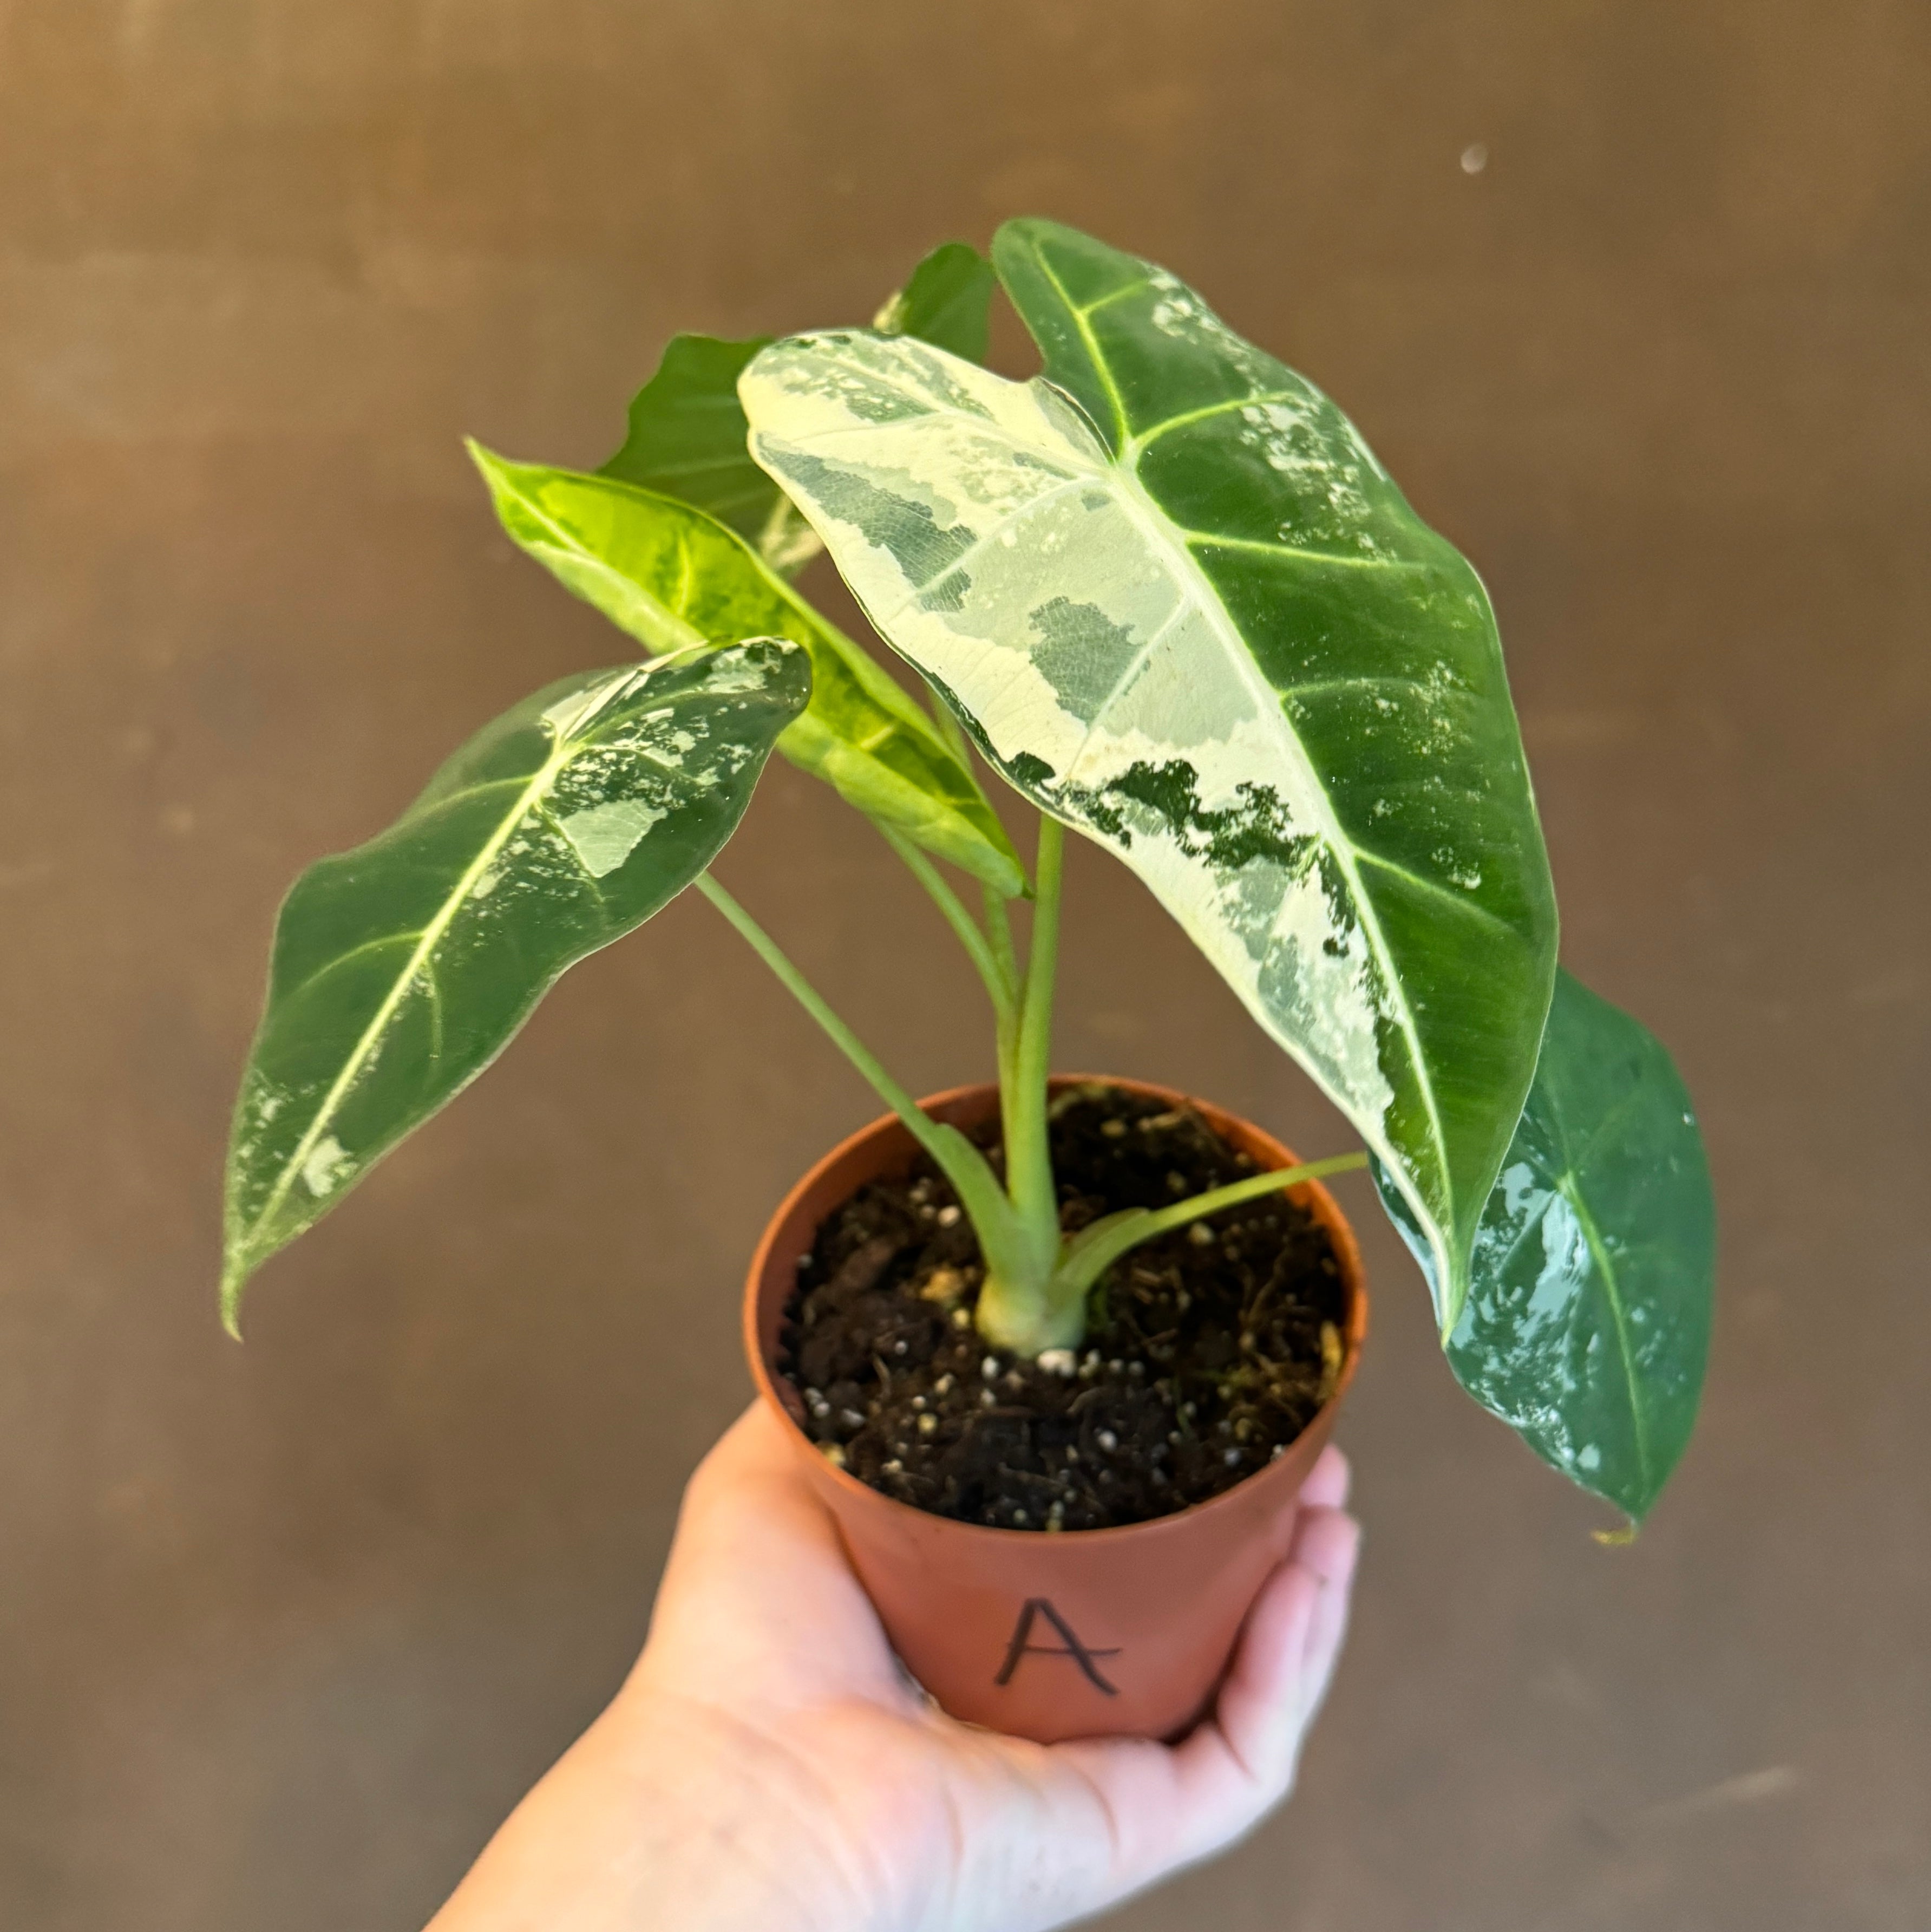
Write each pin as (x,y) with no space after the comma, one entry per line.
(1208,1350)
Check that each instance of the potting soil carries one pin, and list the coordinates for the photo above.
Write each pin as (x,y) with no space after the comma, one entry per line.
(1208,1349)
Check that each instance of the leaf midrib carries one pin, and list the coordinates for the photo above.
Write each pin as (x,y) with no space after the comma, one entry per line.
(1570,1186)
(1155,524)
(1153,518)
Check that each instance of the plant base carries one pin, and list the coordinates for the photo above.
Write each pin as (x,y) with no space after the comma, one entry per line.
(1209,1351)
(1086,1632)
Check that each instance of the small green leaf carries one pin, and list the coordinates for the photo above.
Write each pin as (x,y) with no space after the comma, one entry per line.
(670,577)
(687,440)
(947,302)
(1183,607)
(403,968)
(687,428)
(1588,1319)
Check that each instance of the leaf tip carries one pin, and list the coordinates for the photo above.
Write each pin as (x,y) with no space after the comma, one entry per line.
(489,464)
(1019,230)
(1452,1303)
(234,1280)
(1618,1539)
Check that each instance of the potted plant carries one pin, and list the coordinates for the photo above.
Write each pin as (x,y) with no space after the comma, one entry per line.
(1057,1351)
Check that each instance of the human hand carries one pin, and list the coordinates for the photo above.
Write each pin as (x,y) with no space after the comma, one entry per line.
(768,1765)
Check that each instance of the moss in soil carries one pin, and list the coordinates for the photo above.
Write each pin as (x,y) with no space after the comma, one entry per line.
(1208,1350)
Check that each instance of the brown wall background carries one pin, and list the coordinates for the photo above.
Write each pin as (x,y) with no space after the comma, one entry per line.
(285,1628)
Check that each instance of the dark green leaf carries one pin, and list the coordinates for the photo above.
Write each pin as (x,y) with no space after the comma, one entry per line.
(403,968)
(1193,617)
(687,440)
(947,302)
(1588,1315)
(669,577)
(687,428)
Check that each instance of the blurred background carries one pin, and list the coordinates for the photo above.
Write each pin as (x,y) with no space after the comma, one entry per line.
(1632,297)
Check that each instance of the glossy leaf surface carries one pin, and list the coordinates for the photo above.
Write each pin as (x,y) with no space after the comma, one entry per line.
(670,577)
(1587,1320)
(1183,608)
(687,428)
(403,968)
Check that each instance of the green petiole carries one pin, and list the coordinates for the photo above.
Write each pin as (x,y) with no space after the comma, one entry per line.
(1034,1296)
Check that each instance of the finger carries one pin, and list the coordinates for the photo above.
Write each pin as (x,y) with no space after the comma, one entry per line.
(1237,1767)
(1328,1482)
(1169,1808)
(1295,1626)
(1333,1553)
(758,1596)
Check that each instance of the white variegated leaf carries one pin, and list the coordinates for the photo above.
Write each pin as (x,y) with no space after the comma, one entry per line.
(1183,608)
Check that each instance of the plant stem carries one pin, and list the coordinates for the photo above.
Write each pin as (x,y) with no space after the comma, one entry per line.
(998,925)
(998,928)
(1094,1250)
(962,1162)
(1001,982)
(1029,1167)
(1016,1307)
(847,1043)
(999,935)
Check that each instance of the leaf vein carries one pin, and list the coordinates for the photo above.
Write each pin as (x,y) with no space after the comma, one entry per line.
(1113,295)
(1422,883)
(1188,417)
(1257,546)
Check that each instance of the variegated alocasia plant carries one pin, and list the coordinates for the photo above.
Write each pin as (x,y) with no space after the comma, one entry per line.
(1176,603)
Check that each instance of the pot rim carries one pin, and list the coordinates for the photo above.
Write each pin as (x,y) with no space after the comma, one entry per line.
(1340,1230)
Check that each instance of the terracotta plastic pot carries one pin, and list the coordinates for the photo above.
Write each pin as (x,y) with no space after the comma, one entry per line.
(1084,1633)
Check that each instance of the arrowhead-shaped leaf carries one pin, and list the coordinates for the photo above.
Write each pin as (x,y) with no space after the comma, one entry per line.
(403,968)
(1587,1320)
(1183,608)
(687,428)
(670,577)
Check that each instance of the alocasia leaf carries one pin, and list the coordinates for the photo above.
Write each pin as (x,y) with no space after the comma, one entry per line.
(670,577)
(1183,608)
(1587,1318)
(947,302)
(687,428)
(687,440)
(403,968)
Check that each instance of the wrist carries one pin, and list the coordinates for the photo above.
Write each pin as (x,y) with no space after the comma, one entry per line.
(669,1815)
